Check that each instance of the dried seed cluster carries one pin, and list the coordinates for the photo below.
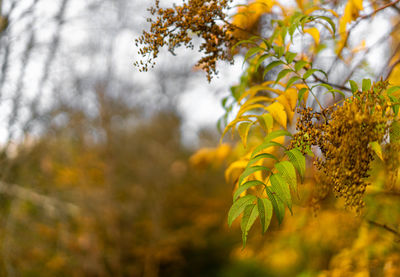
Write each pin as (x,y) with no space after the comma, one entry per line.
(343,134)
(176,26)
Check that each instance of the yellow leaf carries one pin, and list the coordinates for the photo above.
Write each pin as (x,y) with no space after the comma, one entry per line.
(351,12)
(258,99)
(289,100)
(285,103)
(278,113)
(291,95)
(233,123)
(210,156)
(234,170)
(255,89)
(332,12)
(314,32)
(247,108)
(394,77)
(243,130)
(202,158)
(377,149)
(310,10)
(248,16)
(222,152)
(266,122)
(358,4)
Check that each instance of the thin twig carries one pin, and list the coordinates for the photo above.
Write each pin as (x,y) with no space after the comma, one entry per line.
(379,9)
(384,226)
(331,84)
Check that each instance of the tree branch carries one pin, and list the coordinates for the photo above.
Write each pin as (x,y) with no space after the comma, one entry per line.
(385,227)
(50,204)
(379,9)
(331,84)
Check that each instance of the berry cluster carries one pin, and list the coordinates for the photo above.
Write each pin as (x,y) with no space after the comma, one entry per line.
(343,134)
(176,26)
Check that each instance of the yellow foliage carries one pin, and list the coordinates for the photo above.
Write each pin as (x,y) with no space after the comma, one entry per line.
(277,111)
(314,32)
(85,169)
(289,100)
(351,13)
(56,262)
(234,170)
(210,156)
(248,16)
(394,77)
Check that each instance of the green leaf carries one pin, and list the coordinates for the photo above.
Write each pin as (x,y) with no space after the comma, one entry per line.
(337,91)
(261,156)
(298,161)
(265,212)
(291,81)
(302,91)
(261,60)
(250,215)
(252,52)
(292,29)
(328,87)
(243,130)
(281,188)
(245,187)
(354,86)
(366,84)
(271,66)
(273,36)
(309,73)
(287,171)
(330,22)
(242,42)
(264,146)
(299,65)
(332,91)
(282,74)
(396,109)
(377,149)
(289,56)
(279,50)
(393,89)
(238,207)
(266,121)
(276,134)
(283,33)
(277,204)
(250,170)
(395,131)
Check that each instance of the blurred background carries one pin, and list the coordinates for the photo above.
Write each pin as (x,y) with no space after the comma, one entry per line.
(98,175)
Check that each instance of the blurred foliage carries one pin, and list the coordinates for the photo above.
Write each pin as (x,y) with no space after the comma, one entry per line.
(114,192)
(345,146)
(133,205)
(139,209)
